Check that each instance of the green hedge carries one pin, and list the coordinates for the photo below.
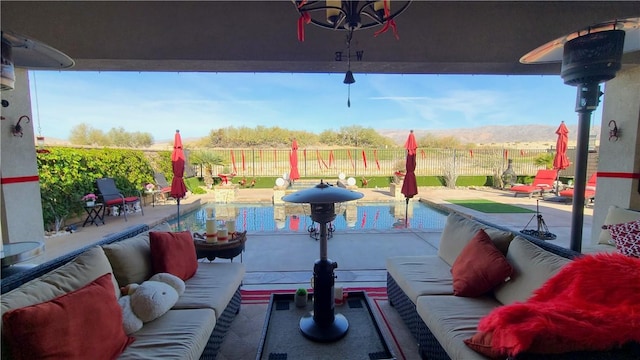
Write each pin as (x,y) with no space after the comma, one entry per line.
(67,174)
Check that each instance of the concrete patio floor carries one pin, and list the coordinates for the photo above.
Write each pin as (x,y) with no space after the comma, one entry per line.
(285,261)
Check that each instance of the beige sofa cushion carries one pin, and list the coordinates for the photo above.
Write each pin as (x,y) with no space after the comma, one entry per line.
(213,286)
(73,275)
(452,319)
(616,215)
(131,258)
(421,275)
(532,266)
(178,334)
(459,230)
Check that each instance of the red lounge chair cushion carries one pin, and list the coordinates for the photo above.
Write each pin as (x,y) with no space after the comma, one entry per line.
(81,324)
(129,199)
(588,194)
(166,189)
(529,188)
(174,253)
(544,180)
(480,267)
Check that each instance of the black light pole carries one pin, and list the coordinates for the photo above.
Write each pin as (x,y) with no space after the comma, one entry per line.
(323,325)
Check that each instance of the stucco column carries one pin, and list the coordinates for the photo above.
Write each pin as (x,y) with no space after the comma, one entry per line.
(21,209)
(619,162)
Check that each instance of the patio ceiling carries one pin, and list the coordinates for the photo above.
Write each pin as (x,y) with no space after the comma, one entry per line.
(447,37)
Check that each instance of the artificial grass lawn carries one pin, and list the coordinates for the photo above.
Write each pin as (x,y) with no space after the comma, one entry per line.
(488,206)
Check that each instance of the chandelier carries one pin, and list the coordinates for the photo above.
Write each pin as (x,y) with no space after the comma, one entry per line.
(349,16)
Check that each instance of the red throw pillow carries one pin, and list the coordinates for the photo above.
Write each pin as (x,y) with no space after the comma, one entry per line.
(481,342)
(627,237)
(82,324)
(480,267)
(174,253)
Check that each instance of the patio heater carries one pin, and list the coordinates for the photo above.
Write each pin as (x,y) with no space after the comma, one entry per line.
(589,57)
(323,325)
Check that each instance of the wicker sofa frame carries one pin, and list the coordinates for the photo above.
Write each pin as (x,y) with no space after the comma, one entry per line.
(223,323)
(430,348)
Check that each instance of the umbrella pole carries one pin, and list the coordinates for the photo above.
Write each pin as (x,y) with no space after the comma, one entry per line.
(406,213)
(178,201)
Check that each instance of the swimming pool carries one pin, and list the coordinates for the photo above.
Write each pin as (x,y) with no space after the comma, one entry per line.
(295,218)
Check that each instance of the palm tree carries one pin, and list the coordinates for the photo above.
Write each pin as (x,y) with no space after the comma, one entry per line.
(208,160)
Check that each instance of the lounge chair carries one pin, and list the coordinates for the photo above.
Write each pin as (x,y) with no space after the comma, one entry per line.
(162,183)
(544,180)
(589,192)
(112,196)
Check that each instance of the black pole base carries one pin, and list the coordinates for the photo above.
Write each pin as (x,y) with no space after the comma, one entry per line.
(327,333)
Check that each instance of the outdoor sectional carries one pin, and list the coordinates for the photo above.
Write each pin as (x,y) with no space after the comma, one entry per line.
(421,290)
(193,329)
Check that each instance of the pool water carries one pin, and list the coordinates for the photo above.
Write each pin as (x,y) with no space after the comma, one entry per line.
(295,218)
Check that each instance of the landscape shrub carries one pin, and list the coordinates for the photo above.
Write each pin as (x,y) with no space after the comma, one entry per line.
(67,174)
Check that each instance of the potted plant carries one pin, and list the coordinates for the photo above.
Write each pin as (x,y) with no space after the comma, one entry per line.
(301,297)
(90,199)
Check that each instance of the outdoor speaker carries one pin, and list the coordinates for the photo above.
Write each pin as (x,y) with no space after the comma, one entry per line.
(592,58)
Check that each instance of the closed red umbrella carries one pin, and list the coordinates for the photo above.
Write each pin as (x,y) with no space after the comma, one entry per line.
(233,162)
(410,185)
(293,162)
(560,160)
(178,188)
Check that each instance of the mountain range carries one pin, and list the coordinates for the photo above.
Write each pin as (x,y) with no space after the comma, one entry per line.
(494,134)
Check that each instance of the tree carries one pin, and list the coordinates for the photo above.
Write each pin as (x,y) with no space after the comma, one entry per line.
(80,134)
(84,134)
(544,159)
(437,142)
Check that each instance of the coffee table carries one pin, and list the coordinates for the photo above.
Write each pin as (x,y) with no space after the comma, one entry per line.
(222,249)
(281,334)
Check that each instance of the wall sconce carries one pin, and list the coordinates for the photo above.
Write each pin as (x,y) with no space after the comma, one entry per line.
(16,129)
(614,132)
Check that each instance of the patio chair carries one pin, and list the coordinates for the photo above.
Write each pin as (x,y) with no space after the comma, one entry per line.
(589,191)
(112,196)
(544,180)
(162,183)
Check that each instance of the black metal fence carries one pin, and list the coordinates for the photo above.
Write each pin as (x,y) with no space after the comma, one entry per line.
(365,162)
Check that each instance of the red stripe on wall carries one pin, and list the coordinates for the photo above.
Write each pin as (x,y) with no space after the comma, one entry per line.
(619,175)
(19,179)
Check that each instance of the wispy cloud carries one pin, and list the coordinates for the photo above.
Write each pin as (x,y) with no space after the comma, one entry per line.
(196,103)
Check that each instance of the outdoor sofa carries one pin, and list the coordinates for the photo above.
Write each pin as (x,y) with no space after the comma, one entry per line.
(421,288)
(193,329)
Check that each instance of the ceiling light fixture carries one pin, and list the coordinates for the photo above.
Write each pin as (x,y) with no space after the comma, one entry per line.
(349,16)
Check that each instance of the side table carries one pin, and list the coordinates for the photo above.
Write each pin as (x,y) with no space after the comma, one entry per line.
(153,194)
(95,213)
(223,249)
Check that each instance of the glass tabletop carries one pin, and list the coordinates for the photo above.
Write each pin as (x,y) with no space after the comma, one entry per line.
(13,253)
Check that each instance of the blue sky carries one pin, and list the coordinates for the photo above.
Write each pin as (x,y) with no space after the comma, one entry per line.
(196,103)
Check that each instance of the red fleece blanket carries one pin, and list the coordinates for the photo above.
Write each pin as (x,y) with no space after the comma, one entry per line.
(593,303)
